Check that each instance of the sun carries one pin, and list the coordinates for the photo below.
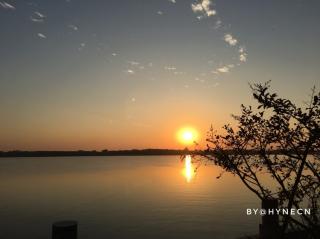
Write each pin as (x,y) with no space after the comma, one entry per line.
(187,135)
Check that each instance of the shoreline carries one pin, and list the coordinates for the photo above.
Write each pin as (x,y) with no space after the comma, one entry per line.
(78,153)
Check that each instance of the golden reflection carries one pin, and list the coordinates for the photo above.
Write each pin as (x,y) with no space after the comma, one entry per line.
(188,168)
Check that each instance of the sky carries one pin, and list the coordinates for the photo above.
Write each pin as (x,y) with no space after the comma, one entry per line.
(122,74)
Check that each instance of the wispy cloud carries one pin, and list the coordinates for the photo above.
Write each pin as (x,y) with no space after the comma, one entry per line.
(42,36)
(223,69)
(73,27)
(6,5)
(199,17)
(129,71)
(242,54)
(173,1)
(232,41)
(170,68)
(136,66)
(133,63)
(196,7)
(218,24)
(37,17)
(40,15)
(204,7)
(82,45)
(199,80)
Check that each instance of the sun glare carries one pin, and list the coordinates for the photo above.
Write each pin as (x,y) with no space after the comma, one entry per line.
(187,135)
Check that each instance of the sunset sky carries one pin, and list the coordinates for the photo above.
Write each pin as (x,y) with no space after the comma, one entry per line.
(121,74)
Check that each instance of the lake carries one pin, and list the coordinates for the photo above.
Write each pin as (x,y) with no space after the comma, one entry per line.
(123,197)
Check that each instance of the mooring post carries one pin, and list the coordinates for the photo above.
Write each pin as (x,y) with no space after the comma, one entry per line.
(65,230)
(269,229)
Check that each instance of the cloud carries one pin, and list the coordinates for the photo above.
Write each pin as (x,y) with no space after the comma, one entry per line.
(243,58)
(242,54)
(170,68)
(199,80)
(82,45)
(224,69)
(218,24)
(173,1)
(197,7)
(160,13)
(6,5)
(39,14)
(73,27)
(129,71)
(38,17)
(41,35)
(136,66)
(133,63)
(230,39)
(204,8)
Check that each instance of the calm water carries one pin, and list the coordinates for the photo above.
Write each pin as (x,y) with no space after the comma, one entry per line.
(122,197)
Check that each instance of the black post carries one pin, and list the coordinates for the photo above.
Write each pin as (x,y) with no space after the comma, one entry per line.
(65,230)
(269,229)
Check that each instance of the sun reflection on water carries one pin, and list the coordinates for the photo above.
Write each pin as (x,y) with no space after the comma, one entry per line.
(188,168)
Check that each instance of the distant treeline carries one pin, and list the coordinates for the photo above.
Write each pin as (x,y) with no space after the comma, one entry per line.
(132,152)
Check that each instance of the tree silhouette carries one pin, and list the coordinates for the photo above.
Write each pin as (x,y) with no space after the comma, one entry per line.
(280,140)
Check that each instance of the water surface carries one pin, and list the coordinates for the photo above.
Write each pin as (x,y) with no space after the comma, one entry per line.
(122,197)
